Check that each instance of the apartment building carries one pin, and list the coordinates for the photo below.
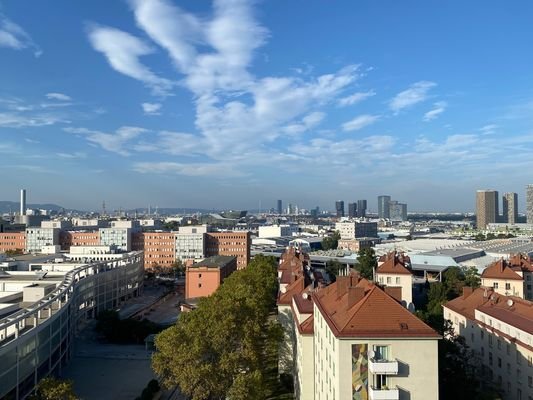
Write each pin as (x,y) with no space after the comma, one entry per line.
(67,239)
(203,278)
(511,277)
(236,244)
(352,340)
(394,271)
(12,241)
(499,329)
(38,237)
(351,230)
(158,248)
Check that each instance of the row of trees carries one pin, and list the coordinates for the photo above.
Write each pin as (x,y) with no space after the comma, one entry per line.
(224,348)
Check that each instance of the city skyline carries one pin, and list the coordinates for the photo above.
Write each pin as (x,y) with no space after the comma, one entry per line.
(181,106)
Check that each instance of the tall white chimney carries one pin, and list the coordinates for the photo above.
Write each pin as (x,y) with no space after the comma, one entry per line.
(22,201)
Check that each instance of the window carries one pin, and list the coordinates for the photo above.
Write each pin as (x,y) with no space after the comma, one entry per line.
(508,349)
(490,358)
(397,280)
(482,352)
(499,344)
(472,336)
(381,352)
(530,381)
(507,286)
(495,285)
(490,341)
(199,285)
(508,368)
(199,275)
(482,333)
(389,279)
(529,361)
(499,362)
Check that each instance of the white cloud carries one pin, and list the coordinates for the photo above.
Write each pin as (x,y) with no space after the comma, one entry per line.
(416,93)
(151,108)
(488,129)
(359,122)
(308,122)
(174,143)
(14,37)
(75,155)
(17,120)
(113,142)
(193,169)
(58,96)
(355,98)
(123,51)
(438,108)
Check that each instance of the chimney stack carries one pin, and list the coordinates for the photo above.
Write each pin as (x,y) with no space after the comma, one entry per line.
(22,201)
(355,294)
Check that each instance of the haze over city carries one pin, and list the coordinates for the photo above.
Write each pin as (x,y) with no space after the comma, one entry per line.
(243,102)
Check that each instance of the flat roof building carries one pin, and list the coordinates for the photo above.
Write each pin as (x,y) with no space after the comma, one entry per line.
(203,278)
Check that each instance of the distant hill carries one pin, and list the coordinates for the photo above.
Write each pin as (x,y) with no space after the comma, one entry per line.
(172,210)
(14,206)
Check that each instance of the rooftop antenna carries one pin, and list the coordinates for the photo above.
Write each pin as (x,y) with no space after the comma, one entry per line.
(103,208)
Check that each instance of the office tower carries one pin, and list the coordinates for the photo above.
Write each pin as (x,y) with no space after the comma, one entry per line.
(22,201)
(486,207)
(397,211)
(510,208)
(529,204)
(361,208)
(280,207)
(383,206)
(352,210)
(339,208)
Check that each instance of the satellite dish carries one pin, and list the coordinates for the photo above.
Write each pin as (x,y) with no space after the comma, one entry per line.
(510,302)
(283,290)
(305,296)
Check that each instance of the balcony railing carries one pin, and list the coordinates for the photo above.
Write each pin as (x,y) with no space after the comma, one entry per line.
(383,394)
(383,367)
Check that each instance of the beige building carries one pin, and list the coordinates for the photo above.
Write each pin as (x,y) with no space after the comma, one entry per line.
(511,277)
(486,208)
(393,272)
(499,329)
(352,340)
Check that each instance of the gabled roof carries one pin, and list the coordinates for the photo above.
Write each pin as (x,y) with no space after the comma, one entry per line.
(308,326)
(500,270)
(466,304)
(296,287)
(375,314)
(393,264)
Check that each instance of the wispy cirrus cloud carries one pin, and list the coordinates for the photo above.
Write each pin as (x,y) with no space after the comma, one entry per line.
(151,108)
(114,142)
(58,96)
(415,94)
(192,169)
(14,37)
(438,108)
(355,98)
(235,111)
(359,122)
(122,51)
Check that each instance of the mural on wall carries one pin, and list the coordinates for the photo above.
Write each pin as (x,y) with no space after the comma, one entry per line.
(360,371)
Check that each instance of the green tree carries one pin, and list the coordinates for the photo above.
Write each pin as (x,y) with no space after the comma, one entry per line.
(331,242)
(54,389)
(366,262)
(332,268)
(472,277)
(218,350)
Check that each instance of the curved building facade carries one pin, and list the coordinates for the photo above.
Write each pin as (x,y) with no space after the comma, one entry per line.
(37,340)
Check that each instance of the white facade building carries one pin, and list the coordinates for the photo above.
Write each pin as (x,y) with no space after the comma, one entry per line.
(37,238)
(273,231)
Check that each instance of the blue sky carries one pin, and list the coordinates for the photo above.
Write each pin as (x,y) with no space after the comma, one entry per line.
(231,103)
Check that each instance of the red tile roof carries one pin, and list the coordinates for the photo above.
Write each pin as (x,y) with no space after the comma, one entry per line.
(509,309)
(358,308)
(393,264)
(308,326)
(500,270)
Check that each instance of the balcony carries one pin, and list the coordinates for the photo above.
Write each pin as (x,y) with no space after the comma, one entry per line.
(383,394)
(383,367)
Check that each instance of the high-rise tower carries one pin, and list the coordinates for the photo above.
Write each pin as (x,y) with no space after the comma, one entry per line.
(529,204)
(486,207)
(280,207)
(361,208)
(339,208)
(384,206)
(22,201)
(510,208)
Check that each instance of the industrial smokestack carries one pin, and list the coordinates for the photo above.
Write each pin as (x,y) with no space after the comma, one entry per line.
(22,201)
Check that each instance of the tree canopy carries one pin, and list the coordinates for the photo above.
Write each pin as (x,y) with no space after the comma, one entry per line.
(366,262)
(218,350)
(54,389)
(331,242)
